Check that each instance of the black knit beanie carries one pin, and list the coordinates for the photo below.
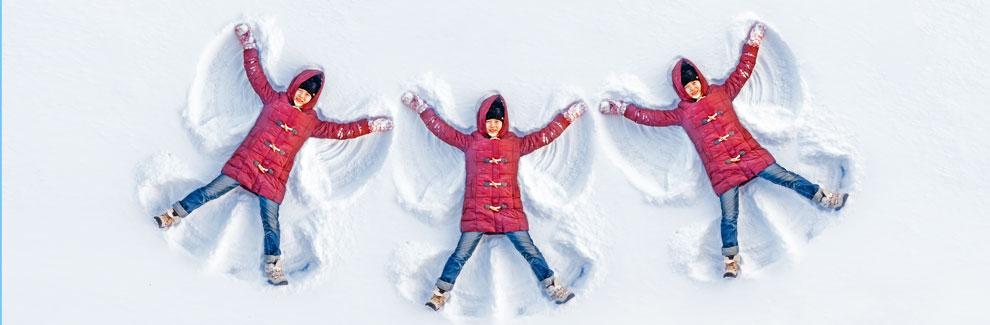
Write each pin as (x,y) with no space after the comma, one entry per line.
(688,74)
(312,85)
(496,111)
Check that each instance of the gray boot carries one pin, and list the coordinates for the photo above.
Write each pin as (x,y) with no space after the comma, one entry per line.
(829,200)
(273,269)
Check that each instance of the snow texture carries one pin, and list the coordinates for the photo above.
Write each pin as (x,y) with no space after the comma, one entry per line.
(113,111)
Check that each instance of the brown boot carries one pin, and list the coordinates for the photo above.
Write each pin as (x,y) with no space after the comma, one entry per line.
(557,292)
(731,266)
(438,299)
(167,219)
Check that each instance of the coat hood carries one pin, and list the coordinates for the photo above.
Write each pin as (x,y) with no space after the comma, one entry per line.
(675,77)
(298,80)
(483,111)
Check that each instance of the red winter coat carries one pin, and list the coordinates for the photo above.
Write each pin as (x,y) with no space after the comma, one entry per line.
(729,152)
(492,203)
(262,162)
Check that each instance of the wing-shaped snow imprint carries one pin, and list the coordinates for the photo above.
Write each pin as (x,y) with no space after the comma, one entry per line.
(429,175)
(659,161)
(497,282)
(317,211)
(774,222)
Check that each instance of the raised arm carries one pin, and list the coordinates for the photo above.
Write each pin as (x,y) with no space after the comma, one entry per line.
(747,62)
(538,139)
(640,115)
(252,65)
(434,123)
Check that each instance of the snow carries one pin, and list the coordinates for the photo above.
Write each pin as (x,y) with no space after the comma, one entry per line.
(114,110)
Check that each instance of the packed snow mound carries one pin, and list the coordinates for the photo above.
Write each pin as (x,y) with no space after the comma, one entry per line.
(554,180)
(316,214)
(774,222)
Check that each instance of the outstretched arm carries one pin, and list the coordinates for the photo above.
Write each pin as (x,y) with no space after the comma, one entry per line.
(252,65)
(434,123)
(342,131)
(640,115)
(747,62)
(538,139)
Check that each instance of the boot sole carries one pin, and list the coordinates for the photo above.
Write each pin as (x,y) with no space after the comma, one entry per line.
(569,297)
(279,283)
(432,306)
(845,198)
(158,221)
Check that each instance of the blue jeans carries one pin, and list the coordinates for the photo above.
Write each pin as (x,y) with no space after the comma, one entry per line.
(730,202)
(469,241)
(220,186)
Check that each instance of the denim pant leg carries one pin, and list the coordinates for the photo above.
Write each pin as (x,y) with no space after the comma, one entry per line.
(218,187)
(269,221)
(730,217)
(780,176)
(465,247)
(524,244)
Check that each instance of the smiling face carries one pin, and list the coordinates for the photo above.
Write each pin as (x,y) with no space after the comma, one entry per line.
(301,97)
(492,127)
(693,89)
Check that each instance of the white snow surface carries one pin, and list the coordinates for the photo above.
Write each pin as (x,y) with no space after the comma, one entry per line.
(114,110)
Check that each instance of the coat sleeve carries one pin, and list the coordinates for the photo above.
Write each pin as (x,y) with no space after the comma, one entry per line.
(747,62)
(444,131)
(341,131)
(653,117)
(256,76)
(538,139)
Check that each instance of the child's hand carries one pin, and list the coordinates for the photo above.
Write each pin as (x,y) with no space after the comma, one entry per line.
(574,110)
(244,35)
(380,124)
(756,34)
(414,103)
(612,107)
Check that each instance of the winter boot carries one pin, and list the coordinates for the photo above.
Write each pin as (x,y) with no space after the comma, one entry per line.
(557,292)
(438,299)
(167,219)
(273,268)
(829,200)
(731,266)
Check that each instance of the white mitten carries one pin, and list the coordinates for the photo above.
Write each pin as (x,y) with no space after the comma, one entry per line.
(414,103)
(612,107)
(574,110)
(244,35)
(380,124)
(756,34)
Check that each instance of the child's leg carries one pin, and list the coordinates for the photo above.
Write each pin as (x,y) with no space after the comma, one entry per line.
(269,221)
(465,247)
(730,215)
(780,176)
(524,244)
(218,187)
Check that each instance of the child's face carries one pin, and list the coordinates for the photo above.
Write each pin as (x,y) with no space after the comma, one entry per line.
(493,126)
(301,97)
(693,89)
